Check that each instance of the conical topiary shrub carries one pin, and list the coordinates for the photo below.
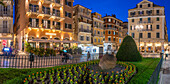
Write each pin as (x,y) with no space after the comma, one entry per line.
(128,50)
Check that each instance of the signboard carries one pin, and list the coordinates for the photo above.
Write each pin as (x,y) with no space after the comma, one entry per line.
(4,42)
(6,49)
(54,34)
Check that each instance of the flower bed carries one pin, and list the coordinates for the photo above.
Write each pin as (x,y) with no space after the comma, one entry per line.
(81,74)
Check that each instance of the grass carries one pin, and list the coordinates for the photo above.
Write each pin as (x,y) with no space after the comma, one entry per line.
(145,70)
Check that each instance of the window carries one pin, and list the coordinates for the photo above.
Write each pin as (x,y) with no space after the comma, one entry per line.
(69,26)
(120,40)
(149,35)
(140,6)
(98,32)
(113,32)
(81,38)
(87,38)
(33,8)
(157,12)
(68,3)
(5,23)
(149,5)
(149,19)
(109,20)
(35,23)
(133,20)
(98,40)
(56,25)
(157,35)
(109,38)
(157,19)
(109,32)
(157,26)
(103,32)
(68,14)
(141,35)
(46,10)
(95,40)
(133,35)
(56,12)
(140,19)
(114,39)
(94,32)
(130,27)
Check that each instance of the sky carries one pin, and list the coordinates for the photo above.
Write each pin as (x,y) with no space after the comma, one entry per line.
(120,7)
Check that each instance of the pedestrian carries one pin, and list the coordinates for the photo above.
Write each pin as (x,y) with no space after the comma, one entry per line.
(88,55)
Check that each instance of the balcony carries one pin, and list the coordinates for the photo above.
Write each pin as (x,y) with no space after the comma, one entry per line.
(46,26)
(145,22)
(88,22)
(5,15)
(54,3)
(148,14)
(33,25)
(85,30)
(57,27)
(111,28)
(147,29)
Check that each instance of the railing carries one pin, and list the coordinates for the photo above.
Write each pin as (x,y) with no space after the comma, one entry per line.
(111,28)
(154,78)
(48,26)
(146,29)
(145,22)
(85,30)
(41,62)
(137,15)
(31,25)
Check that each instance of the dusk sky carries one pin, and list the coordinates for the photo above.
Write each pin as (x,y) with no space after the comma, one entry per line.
(120,7)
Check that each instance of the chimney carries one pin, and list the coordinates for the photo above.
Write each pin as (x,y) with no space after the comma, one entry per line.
(114,15)
(106,14)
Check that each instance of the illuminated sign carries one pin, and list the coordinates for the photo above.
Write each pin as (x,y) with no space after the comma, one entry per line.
(50,34)
(4,42)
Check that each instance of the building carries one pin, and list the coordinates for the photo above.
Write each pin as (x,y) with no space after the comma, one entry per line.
(6,24)
(97,29)
(113,35)
(125,29)
(44,23)
(147,21)
(82,27)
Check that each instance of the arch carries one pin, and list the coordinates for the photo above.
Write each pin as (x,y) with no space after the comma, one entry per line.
(66,39)
(56,38)
(31,37)
(44,38)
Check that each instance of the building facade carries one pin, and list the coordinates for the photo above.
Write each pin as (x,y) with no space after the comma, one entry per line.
(6,24)
(112,33)
(147,22)
(44,23)
(97,29)
(125,29)
(82,27)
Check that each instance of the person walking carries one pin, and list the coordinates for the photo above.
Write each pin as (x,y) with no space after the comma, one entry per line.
(88,55)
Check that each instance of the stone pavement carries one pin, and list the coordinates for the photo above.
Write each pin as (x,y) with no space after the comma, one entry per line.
(165,72)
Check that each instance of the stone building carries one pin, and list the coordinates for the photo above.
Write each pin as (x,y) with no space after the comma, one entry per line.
(6,24)
(112,33)
(44,23)
(82,27)
(147,22)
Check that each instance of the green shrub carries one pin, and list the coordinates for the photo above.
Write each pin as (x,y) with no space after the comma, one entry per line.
(128,50)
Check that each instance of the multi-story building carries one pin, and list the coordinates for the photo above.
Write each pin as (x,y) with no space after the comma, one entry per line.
(44,23)
(147,22)
(125,29)
(113,37)
(82,27)
(97,29)
(6,24)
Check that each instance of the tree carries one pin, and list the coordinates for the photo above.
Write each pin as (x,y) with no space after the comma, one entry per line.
(1,3)
(128,50)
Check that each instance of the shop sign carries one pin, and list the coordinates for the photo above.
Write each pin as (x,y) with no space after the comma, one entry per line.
(4,42)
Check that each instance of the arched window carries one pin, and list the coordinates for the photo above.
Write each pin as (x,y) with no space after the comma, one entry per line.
(56,38)
(30,38)
(66,39)
(44,38)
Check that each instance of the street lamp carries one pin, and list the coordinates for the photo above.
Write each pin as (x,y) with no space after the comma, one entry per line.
(139,28)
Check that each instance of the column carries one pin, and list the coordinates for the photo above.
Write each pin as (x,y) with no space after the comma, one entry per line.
(153,47)
(37,44)
(145,46)
(51,45)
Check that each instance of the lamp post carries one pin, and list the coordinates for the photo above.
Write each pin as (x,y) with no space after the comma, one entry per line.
(139,28)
